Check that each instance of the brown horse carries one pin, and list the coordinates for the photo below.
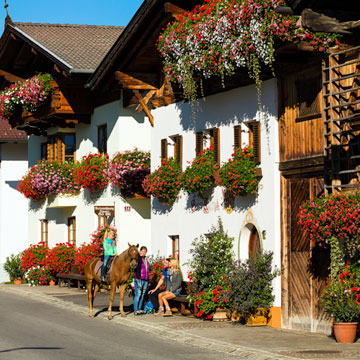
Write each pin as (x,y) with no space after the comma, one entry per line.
(120,274)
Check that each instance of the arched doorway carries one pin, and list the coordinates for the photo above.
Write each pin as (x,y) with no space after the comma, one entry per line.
(254,242)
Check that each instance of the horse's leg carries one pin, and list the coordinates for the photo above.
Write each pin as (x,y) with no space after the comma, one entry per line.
(96,289)
(112,293)
(90,297)
(122,291)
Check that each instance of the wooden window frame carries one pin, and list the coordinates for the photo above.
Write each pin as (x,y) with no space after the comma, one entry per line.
(237,137)
(199,143)
(255,138)
(44,151)
(71,221)
(56,147)
(105,219)
(178,148)
(215,142)
(164,149)
(44,231)
(73,156)
(102,151)
(307,81)
(175,252)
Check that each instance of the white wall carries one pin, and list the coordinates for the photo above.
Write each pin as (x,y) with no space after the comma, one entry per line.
(13,206)
(125,130)
(224,111)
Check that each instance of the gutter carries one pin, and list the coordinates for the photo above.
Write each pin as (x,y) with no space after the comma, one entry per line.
(119,44)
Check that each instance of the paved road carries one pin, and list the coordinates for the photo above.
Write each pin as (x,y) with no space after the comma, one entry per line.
(35,330)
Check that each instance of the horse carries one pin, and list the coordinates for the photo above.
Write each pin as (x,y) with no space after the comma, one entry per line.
(119,275)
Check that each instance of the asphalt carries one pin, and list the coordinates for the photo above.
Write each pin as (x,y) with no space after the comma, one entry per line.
(242,342)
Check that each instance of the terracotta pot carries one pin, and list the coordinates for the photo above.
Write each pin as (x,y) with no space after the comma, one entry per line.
(221,315)
(258,319)
(345,332)
(52,283)
(18,281)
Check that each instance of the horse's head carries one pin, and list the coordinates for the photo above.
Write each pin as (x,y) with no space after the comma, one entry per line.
(133,255)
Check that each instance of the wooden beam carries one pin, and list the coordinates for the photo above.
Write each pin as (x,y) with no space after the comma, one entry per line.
(10,77)
(144,106)
(174,10)
(137,81)
(146,99)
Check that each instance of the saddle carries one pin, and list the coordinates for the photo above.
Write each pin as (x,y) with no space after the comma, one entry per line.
(108,265)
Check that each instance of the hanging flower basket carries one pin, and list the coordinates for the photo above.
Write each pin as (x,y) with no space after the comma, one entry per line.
(165,182)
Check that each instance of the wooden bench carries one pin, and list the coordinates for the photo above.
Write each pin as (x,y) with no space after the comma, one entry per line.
(74,274)
(183,300)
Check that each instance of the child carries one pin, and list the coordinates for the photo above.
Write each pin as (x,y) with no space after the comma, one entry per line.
(109,250)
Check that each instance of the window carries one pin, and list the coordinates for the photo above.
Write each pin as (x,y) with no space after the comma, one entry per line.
(69,143)
(175,246)
(237,137)
(308,98)
(60,147)
(254,139)
(44,231)
(102,139)
(177,139)
(215,142)
(71,230)
(102,220)
(43,151)
(199,143)
(164,149)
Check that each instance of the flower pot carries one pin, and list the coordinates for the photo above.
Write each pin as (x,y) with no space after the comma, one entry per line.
(52,283)
(221,315)
(18,281)
(258,319)
(345,332)
(236,316)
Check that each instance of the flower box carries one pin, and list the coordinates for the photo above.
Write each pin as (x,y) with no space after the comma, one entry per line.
(258,319)
(63,201)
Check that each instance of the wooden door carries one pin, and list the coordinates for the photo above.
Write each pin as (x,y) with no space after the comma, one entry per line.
(254,242)
(305,267)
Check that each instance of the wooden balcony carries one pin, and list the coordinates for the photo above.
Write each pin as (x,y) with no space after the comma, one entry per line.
(65,107)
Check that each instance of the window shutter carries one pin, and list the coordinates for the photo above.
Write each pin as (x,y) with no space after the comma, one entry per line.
(164,146)
(178,150)
(215,141)
(255,128)
(237,136)
(60,149)
(199,143)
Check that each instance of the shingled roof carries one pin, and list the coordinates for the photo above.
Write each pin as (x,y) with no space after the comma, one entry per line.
(81,47)
(7,133)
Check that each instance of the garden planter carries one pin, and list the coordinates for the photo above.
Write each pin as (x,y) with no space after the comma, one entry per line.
(18,281)
(236,316)
(52,283)
(64,200)
(258,319)
(345,332)
(221,315)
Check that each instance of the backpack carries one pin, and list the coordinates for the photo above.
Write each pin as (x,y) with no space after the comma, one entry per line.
(149,307)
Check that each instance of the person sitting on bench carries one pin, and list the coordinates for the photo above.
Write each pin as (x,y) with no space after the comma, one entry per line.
(109,250)
(173,288)
(154,294)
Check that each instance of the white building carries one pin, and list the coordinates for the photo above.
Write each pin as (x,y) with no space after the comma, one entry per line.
(13,206)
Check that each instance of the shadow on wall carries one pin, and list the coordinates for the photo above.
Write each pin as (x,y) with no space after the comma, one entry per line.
(141,206)
(12,184)
(35,206)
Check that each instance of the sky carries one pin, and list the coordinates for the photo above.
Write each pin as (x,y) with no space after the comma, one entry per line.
(91,12)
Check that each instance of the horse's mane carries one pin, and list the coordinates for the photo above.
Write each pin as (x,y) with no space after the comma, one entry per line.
(124,254)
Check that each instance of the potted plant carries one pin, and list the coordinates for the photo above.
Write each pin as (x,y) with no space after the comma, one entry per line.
(199,176)
(13,267)
(341,300)
(128,169)
(238,175)
(165,182)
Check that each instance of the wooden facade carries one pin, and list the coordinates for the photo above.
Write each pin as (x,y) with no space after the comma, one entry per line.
(319,124)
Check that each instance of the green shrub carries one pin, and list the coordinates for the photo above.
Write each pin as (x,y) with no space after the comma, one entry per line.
(13,266)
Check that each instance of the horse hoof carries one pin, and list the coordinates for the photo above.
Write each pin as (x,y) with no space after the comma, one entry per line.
(123,315)
(91,315)
(110,317)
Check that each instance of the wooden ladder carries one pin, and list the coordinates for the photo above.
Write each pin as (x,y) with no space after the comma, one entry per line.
(341,115)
